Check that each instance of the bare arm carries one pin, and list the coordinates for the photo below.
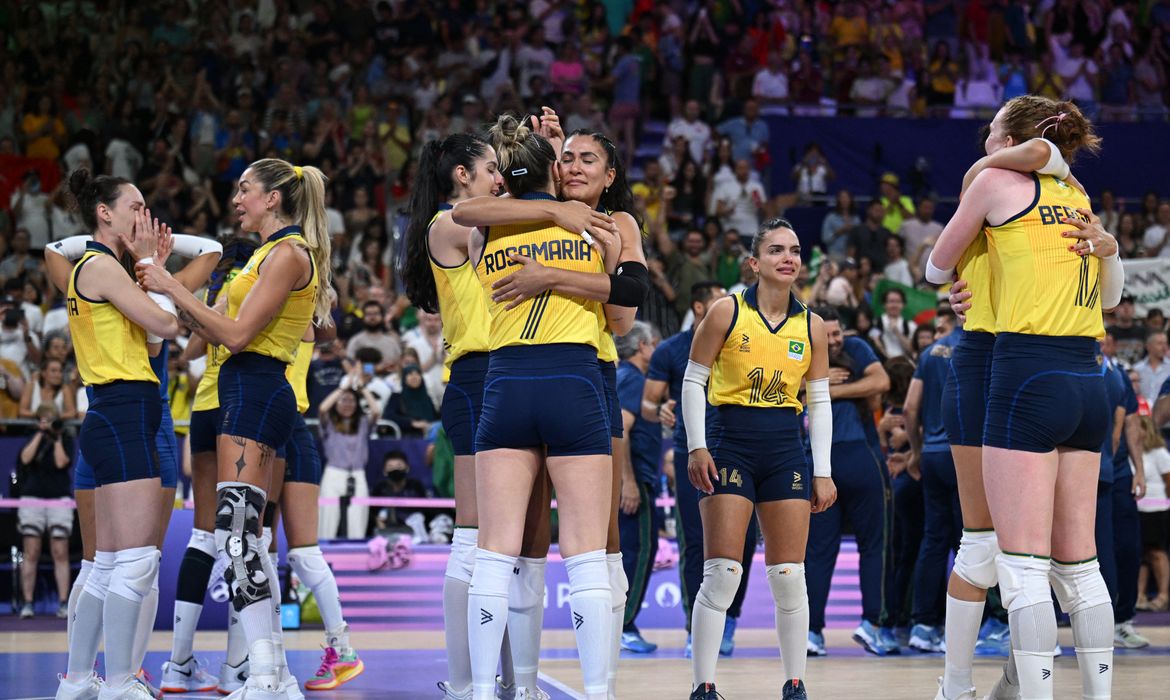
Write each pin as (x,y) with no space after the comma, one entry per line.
(1162,410)
(874,382)
(103,278)
(1118,426)
(910,411)
(30,450)
(499,211)
(60,456)
(984,201)
(653,396)
(1029,156)
(1133,440)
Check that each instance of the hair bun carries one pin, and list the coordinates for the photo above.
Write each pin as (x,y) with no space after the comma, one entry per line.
(78,181)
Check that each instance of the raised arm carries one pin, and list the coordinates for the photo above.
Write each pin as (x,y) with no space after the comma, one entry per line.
(964,226)
(498,211)
(1034,155)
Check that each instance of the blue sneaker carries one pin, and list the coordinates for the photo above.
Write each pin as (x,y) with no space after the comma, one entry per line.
(687,650)
(994,639)
(632,641)
(902,634)
(868,636)
(888,641)
(926,639)
(727,646)
(816,644)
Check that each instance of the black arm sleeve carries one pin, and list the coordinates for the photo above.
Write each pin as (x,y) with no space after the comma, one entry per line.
(629,285)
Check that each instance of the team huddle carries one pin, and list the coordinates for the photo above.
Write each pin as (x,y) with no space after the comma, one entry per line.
(532,288)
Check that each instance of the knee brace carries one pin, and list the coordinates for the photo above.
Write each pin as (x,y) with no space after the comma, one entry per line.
(788,587)
(238,517)
(720,582)
(135,571)
(1079,586)
(527,590)
(98,582)
(619,585)
(202,541)
(1023,580)
(975,562)
(461,563)
(310,565)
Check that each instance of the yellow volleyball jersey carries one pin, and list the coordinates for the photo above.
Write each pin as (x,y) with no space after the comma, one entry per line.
(109,346)
(297,374)
(550,317)
(179,391)
(1043,288)
(975,268)
(280,337)
(607,347)
(759,365)
(463,306)
(207,393)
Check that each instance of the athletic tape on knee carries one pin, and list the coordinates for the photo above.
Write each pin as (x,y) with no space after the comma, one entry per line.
(588,572)
(238,513)
(98,582)
(789,590)
(527,590)
(1079,586)
(619,585)
(134,573)
(975,562)
(1023,580)
(720,582)
(461,562)
(310,565)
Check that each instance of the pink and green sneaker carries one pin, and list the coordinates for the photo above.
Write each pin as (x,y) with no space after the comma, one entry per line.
(335,669)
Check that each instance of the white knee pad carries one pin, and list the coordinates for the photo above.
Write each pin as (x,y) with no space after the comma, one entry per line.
(461,562)
(788,587)
(588,572)
(975,562)
(310,565)
(98,582)
(1023,581)
(1079,586)
(527,589)
(135,571)
(202,541)
(720,582)
(619,585)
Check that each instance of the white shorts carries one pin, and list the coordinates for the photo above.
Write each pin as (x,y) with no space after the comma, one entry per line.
(37,521)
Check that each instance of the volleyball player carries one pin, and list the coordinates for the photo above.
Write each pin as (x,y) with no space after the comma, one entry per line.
(757,348)
(109,319)
(1037,459)
(591,174)
(543,394)
(661,404)
(440,277)
(270,305)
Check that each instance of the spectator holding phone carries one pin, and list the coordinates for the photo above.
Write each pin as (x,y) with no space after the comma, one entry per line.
(345,447)
(44,473)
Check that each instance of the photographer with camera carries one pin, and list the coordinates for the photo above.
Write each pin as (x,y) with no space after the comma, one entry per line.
(43,473)
(17,342)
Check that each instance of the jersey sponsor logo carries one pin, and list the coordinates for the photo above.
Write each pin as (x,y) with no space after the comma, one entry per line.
(795,350)
(544,251)
(939,350)
(797,482)
(745,343)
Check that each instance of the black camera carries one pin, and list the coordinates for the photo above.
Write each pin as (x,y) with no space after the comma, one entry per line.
(13,317)
(57,425)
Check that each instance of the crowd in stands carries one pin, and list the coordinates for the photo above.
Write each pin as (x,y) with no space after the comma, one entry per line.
(180,96)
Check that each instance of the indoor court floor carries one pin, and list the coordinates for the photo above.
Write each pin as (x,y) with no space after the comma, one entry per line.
(407,664)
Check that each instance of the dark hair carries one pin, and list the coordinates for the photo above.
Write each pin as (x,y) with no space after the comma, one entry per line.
(940,314)
(702,292)
(901,371)
(371,356)
(893,290)
(525,156)
(89,192)
(433,185)
(349,425)
(767,227)
(1156,331)
(827,313)
(370,302)
(618,196)
(395,454)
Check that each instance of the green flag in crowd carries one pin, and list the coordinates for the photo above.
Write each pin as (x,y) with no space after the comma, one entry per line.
(921,304)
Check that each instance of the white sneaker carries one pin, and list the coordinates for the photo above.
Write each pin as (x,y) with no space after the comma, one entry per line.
(505,692)
(130,689)
(186,677)
(1004,690)
(1126,637)
(450,694)
(232,678)
(968,694)
(84,689)
(532,694)
(291,687)
(253,690)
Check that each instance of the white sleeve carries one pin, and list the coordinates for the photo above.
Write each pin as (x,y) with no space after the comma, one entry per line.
(694,405)
(193,246)
(166,304)
(936,275)
(70,248)
(820,426)
(1056,165)
(1112,281)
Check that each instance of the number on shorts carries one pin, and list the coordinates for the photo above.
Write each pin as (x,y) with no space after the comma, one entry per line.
(734,478)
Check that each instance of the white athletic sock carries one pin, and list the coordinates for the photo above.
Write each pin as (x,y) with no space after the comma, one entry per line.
(507,665)
(146,620)
(487,618)
(87,627)
(1093,636)
(1023,582)
(525,619)
(75,593)
(790,594)
(237,641)
(720,582)
(619,586)
(134,571)
(590,601)
(186,621)
(962,632)
(460,566)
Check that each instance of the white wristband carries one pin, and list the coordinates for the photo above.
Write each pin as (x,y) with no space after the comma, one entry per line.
(148,260)
(935,275)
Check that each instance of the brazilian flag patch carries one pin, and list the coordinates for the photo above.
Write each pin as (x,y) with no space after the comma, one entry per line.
(795,350)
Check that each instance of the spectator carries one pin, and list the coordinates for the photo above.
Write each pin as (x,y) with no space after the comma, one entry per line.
(374,335)
(1128,236)
(1046,80)
(840,292)
(941,77)
(837,225)
(727,259)
(1158,234)
(770,86)
(31,211)
(427,341)
(19,261)
(696,132)
(567,73)
(868,239)
(44,132)
(411,408)
(1130,336)
(893,334)
(43,472)
(1156,320)
(1149,85)
(920,234)
(738,204)
(47,386)
(749,134)
(1013,76)
(1078,71)
(1117,95)
(1108,211)
(687,266)
(897,206)
(807,86)
(689,205)
(871,87)
(17,342)
(650,193)
(345,448)
(325,373)
(813,173)
(897,268)
(626,75)
(1155,519)
(1154,370)
(396,483)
